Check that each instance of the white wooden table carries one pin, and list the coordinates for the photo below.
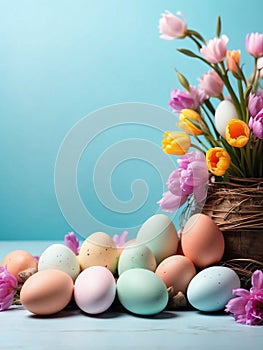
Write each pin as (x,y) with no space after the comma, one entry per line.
(116,329)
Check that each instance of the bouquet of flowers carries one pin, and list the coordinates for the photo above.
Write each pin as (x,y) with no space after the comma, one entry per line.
(221,117)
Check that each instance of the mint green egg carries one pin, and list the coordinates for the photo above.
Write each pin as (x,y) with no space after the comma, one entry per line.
(136,256)
(142,292)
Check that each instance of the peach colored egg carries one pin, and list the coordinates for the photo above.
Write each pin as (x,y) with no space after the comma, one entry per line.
(99,249)
(18,261)
(176,271)
(47,292)
(202,241)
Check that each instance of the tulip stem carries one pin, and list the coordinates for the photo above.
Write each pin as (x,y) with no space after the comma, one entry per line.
(197,147)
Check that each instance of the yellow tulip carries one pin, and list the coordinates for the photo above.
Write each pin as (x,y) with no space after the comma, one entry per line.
(217,160)
(185,123)
(237,133)
(176,142)
(232,60)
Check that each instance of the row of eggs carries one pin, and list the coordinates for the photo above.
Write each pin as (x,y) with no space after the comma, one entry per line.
(139,273)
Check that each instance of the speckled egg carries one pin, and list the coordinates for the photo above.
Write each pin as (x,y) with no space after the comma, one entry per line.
(160,235)
(136,256)
(176,271)
(211,288)
(60,257)
(99,250)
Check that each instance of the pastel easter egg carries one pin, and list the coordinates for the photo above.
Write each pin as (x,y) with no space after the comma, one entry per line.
(225,112)
(202,241)
(211,288)
(18,261)
(99,249)
(176,271)
(136,256)
(47,292)
(94,289)
(142,292)
(60,257)
(159,234)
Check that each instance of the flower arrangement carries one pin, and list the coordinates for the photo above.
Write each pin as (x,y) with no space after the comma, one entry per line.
(221,117)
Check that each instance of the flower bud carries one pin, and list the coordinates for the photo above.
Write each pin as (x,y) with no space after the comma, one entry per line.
(254,44)
(232,60)
(176,142)
(172,27)
(185,121)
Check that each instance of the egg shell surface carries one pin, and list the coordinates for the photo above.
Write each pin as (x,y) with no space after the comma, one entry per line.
(60,257)
(95,289)
(18,261)
(47,292)
(225,112)
(202,241)
(142,292)
(160,235)
(99,250)
(176,271)
(211,288)
(136,256)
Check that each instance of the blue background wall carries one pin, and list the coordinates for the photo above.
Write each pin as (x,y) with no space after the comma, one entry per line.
(60,61)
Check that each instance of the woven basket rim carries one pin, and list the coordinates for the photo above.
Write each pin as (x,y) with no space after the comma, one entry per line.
(236,205)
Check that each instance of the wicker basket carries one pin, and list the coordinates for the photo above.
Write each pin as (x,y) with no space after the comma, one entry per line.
(237,209)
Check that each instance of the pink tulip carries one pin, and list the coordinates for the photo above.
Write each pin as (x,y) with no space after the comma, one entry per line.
(8,285)
(211,84)
(215,50)
(255,103)
(171,202)
(185,100)
(256,125)
(191,177)
(171,26)
(254,44)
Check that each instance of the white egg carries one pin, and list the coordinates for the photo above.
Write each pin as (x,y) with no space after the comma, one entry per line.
(211,288)
(159,234)
(225,111)
(60,257)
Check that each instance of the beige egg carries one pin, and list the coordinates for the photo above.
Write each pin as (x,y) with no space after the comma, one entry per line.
(202,241)
(159,234)
(18,261)
(99,250)
(176,271)
(47,292)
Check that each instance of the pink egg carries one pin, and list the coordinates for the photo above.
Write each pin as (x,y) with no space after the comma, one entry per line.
(95,289)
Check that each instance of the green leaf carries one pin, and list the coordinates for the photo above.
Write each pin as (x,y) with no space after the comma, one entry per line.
(196,34)
(188,53)
(218,26)
(247,92)
(183,81)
